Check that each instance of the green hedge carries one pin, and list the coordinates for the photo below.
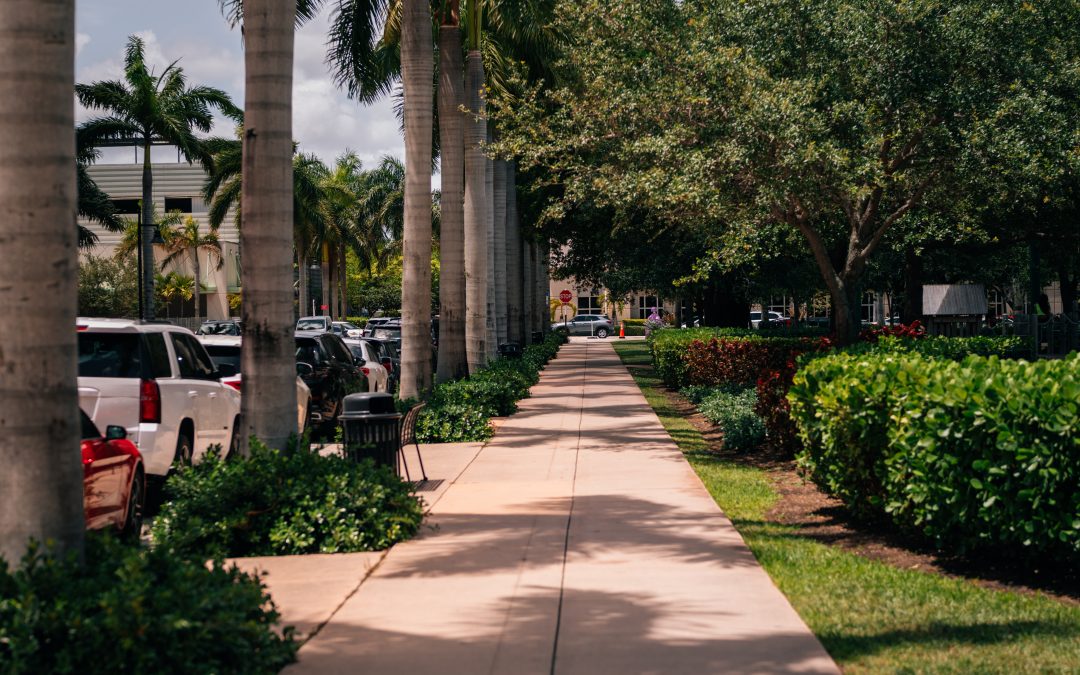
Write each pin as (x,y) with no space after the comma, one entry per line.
(282,503)
(130,609)
(978,454)
(733,413)
(459,411)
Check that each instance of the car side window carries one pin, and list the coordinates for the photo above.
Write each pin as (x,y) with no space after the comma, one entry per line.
(192,358)
(88,428)
(159,355)
(337,351)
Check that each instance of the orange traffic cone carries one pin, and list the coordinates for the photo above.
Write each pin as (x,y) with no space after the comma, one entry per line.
(622,330)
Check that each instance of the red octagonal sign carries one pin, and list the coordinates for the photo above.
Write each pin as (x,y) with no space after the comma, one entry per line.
(566,297)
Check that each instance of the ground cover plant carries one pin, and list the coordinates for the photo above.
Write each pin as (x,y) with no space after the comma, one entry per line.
(870,616)
(284,503)
(976,454)
(459,411)
(130,609)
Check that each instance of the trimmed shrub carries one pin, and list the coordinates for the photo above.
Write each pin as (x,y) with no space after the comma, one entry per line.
(458,411)
(733,413)
(135,610)
(669,347)
(283,503)
(697,393)
(978,454)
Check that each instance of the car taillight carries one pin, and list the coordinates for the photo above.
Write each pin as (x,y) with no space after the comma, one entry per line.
(235,384)
(149,401)
(366,371)
(389,365)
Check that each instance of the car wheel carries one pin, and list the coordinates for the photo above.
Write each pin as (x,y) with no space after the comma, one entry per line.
(601,333)
(133,516)
(184,450)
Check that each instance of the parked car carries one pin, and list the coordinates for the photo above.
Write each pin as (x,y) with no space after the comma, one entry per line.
(221,327)
(775,318)
(156,381)
(375,322)
(377,374)
(319,323)
(387,330)
(586,324)
(389,358)
(114,480)
(328,369)
(345,329)
(225,350)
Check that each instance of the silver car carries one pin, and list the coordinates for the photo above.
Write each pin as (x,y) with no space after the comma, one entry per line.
(586,324)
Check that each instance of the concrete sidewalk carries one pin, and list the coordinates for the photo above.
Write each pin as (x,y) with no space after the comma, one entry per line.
(578,540)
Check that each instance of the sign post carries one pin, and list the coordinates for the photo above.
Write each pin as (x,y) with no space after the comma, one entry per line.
(565,296)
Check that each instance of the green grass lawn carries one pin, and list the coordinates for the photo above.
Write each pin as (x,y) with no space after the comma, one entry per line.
(873,617)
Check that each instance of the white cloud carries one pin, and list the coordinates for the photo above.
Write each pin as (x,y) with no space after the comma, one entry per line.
(81,40)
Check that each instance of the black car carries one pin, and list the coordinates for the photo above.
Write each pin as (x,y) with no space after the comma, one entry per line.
(221,327)
(328,369)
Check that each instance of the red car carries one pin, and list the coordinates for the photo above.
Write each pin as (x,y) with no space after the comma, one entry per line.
(114,484)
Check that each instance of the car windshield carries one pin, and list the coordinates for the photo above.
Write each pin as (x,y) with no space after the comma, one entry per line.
(109,355)
(310,324)
(357,352)
(221,354)
(347,326)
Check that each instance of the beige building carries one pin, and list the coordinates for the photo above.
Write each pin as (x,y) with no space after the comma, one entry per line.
(589,300)
(177,186)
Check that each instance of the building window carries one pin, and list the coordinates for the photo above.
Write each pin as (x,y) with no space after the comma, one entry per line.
(869,300)
(181,204)
(646,305)
(589,304)
(996,303)
(126,206)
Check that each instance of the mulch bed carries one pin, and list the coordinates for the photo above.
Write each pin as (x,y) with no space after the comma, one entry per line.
(822,518)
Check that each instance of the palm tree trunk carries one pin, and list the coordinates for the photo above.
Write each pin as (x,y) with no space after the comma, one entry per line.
(302,281)
(501,314)
(197,290)
(489,227)
(147,234)
(417,64)
(41,494)
(324,280)
(476,258)
(528,290)
(268,405)
(513,259)
(541,278)
(452,363)
(343,298)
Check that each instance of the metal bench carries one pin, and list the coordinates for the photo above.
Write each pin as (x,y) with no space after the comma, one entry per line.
(408,437)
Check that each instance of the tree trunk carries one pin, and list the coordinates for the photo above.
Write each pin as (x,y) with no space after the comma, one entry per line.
(913,282)
(146,232)
(513,259)
(489,226)
(846,309)
(417,64)
(528,290)
(542,283)
(303,282)
(324,280)
(268,406)
(476,258)
(452,362)
(41,495)
(501,296)
(1067,283)
(343,283)
(198,285)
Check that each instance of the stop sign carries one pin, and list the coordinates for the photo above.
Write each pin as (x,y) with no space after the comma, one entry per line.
(566,297)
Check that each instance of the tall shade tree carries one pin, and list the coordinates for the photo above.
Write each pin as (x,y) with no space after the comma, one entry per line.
(41,494)
(144,107)
(452,362)
(188,239)
(417,71)
(268,407)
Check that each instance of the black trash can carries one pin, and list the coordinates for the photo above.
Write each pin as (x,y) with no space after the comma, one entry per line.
(371,428)
(537,337)
(510,350)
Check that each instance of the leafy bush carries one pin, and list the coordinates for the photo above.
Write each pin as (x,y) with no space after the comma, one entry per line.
(459,411)
(135,610)
(734,414)
(669,347)
(696,393)
(634,322)
(978,454)
(281,503)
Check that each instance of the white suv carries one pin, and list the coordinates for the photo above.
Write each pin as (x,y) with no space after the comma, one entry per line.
(159,383)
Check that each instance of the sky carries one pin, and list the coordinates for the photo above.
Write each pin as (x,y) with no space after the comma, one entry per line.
(325,121)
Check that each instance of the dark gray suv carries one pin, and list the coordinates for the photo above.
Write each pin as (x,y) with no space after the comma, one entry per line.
(586,324)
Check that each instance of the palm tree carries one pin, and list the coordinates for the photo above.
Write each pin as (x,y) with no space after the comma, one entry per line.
(268,407)
(514,269)
(94,204)
(144,108)
(188,239)
(129,240)
(452,361)
(476,244)
(499,201)
(41,483)
(417,67)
